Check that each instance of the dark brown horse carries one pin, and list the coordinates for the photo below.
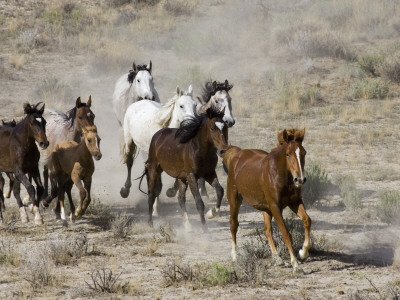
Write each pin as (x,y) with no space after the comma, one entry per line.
(269,182)
(188,153)
(20,155)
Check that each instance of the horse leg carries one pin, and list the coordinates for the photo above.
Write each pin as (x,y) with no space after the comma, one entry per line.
(182,203)
(268,233)
(287,238)
(46,180)
(20,176)
(202,186)
(300,211)
(154,184)
(88,183)
(129,157)
(234,206)
(82,194)
(194,188)
(68,187)
(2,208)
(60,202)
(171,192)
(39,191)
(10,184)
(213,181)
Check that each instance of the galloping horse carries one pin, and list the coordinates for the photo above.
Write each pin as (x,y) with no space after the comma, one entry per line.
(64,127)
(215,94)
(20,155)
(187,153)
(131,87)
(70,164)
(269,182)
(144,118)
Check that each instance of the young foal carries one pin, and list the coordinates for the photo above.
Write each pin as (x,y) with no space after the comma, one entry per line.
(20,155)
(187,153)
(269,182)
(72,163)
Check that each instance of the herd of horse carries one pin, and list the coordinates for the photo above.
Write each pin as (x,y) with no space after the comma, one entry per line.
(182,138)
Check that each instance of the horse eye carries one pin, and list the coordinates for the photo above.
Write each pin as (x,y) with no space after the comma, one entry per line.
(216,101)
(181,106)
(138,80)
(287,154)
(89,140)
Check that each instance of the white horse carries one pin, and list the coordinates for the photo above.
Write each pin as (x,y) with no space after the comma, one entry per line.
(144,118)
(131,87)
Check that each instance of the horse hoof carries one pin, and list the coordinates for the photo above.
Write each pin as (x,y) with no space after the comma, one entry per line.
(124,192)
(30,208)
(26,201)
(44,203)
(298,271)
(57,214)
(155,213)
(64,223)
(72,218)
(277,260)
(303,254)
(171,193)
(39,221)
(212,213)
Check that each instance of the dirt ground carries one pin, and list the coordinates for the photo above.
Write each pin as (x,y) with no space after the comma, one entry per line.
(358,264)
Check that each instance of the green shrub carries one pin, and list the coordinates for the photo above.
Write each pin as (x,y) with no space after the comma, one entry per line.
(351,196)
(388,206)
(369,88)
(219,274)
(390,68)
(316,185)
(369,62)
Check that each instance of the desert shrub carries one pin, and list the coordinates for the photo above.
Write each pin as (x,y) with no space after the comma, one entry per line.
(370,62)
(310,95)
(30,39)
(8,253)
(220,274)
(100,214)
(390,68)
(388,208)
(180,7)
(104,280)
(53,92)
(351,196)
(121,225)
(63,250)
(39,269)
(316,185)
(369,88)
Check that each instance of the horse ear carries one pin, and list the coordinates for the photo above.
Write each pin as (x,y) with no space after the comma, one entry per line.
(149,66)
(285,136)
(89,102)
(42,109)
(214,85)
(300,135)
(134,66)
(178,91)
(190,90)
(27,108)
(78,102)
(209,112)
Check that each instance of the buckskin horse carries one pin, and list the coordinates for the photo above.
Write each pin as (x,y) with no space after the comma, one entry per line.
(72,163)
(20,155)
(269,182)
(187,153)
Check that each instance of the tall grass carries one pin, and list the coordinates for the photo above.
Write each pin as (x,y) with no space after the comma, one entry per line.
(388,208)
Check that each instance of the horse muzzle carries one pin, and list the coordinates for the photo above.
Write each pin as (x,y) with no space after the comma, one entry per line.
(298,182)
(44,145)
(97,155)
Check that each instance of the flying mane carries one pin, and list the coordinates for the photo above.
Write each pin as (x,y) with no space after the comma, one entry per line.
(210,88)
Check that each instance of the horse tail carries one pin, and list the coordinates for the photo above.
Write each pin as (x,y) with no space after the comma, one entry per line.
(145,173)
(228,156)
(127,147)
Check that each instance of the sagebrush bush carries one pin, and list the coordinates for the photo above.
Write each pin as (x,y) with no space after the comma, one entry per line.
(390,68)
(370,62)
(100,214)
(388,208)
(351,196)
(180,7)
(121,226)
(64,250)
(8,252)
(369,88)
(316,185)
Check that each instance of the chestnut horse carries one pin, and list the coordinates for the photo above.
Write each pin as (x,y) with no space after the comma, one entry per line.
(188,153)
(269,182)
(70,164)
(20,155)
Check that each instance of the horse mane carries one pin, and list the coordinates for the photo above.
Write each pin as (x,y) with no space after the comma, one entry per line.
(132,73)
(164,114)
(70,115)
(209,91)
(11,124)
(293,134)
(31,109)
(191,126)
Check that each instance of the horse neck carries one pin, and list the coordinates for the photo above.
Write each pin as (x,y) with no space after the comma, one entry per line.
(278,154)
(23,132)
(174,121)
(83,150)
(204,144)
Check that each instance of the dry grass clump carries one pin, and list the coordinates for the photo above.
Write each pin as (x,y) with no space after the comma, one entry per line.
(64,250)
(100,215)
(316,186)
(180,7)
(121,226)
(54,92)
(388,207)
(8,252)
(390,68)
